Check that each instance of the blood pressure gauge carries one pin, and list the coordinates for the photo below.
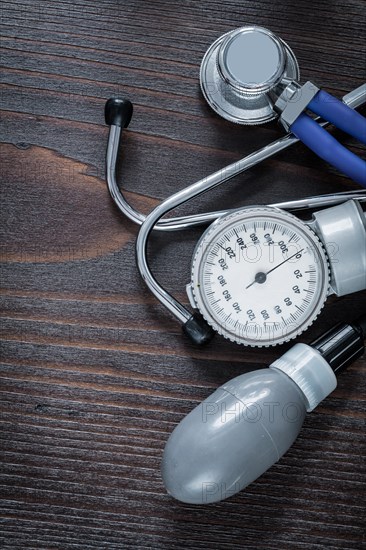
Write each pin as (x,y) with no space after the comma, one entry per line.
(260,276)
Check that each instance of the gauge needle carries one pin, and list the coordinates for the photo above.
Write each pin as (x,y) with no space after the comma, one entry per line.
(262,277)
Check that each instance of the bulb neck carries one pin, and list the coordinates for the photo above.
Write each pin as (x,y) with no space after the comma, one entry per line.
(310,372)
(314,368)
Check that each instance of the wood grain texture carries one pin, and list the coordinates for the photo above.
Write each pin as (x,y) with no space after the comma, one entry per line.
(94,373)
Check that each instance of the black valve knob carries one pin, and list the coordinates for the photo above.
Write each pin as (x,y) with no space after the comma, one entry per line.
(342,344)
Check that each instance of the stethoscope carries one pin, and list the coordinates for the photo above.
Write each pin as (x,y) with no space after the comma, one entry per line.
(259,275)
(244,90)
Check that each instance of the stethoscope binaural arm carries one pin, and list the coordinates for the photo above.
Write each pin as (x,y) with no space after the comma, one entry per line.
(118,114)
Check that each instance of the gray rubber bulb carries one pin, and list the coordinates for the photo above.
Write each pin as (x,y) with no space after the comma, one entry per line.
(246,425)
(232,438)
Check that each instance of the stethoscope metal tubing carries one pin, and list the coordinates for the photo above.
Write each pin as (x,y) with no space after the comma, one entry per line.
(153,220)
(176,308)
(353,99)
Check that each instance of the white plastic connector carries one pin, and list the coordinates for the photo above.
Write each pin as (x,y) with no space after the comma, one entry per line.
(342,230)
(312,374)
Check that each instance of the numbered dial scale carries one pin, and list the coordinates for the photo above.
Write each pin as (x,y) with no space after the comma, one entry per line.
(260,276)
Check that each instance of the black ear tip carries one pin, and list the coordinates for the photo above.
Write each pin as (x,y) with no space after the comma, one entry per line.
(118,112)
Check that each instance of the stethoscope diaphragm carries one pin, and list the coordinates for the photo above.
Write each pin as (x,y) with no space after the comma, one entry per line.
(240,70)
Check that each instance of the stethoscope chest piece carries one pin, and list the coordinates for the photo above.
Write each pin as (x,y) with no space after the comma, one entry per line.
(241,69)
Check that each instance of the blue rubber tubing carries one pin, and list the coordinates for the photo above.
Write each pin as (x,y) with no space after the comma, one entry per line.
(329,149)
(339,114)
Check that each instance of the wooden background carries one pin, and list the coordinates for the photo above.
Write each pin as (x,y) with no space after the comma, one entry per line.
(95,374)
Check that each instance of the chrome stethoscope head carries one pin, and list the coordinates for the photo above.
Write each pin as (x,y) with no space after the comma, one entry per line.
(243,70)
(250,76)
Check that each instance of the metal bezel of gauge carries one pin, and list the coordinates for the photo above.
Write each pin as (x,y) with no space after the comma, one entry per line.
(235,227)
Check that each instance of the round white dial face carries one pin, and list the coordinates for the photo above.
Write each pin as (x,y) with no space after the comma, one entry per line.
(259,276)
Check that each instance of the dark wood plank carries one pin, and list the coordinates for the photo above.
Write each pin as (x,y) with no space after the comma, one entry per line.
(94,373)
